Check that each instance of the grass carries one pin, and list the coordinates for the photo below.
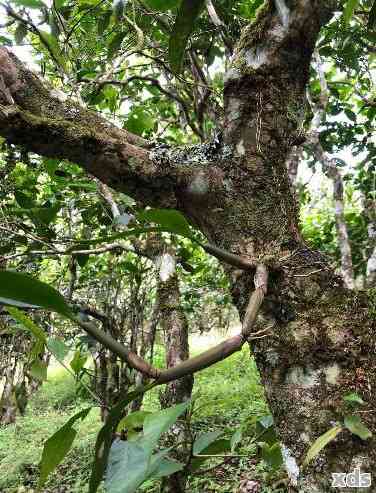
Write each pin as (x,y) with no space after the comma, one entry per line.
(226,395)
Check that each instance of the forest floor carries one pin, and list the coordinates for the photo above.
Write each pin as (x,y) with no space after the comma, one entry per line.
(228,396)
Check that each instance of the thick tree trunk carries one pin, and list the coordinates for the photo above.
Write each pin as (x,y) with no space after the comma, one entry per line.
(321,343)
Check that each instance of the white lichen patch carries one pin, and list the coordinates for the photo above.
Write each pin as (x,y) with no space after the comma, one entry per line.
(283,12)
(240,149)
(167,266)
(231,74)
(199,185)
(256,57)
(291,465)
(59,95)
(304,437)
(305,377)
(332,373)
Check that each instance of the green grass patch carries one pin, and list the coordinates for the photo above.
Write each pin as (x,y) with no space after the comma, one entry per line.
(226,395)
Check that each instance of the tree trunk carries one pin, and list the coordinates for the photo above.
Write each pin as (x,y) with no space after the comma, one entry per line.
(175,326)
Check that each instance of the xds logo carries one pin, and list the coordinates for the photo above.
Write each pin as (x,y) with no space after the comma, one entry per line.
(355,479)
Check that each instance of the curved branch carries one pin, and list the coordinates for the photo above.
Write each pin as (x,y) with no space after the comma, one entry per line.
(197,363)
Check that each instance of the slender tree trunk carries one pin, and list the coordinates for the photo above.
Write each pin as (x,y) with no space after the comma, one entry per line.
(175,327)
(370,213)
(330,168)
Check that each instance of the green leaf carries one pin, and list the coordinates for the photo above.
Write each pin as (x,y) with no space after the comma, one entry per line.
(355,425)
(33,4)
(29,324)
(38,370)
(58,348)
(23,200)
(272,455)
(132,463)
(166,467)
(169,219)
(105,436)
(350,6)
(104,21)
(128,466)
(133,421)
(53,44)
(78,362)
(372,17)
(158,423)
(139,121)
(353,398)
(115,44)
(21,288)
(321,442)
(58,445)
(265,429)
(45,214)
(162,5)
(183,27)
(236,439)
(204,440)
(217,447)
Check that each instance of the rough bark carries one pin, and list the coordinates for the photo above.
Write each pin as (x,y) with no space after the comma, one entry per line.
(321,336)
(175,326)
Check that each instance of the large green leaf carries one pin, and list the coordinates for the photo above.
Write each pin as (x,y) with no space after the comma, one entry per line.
(170,220)
(58,445)
(355,425)
(218,447)
(183,27)
(272,455)
(78,362)
(45,214)
(139,120)
(133,422)
(350,6)
(105,436)
(16,288)
(204,440)
(53,46)
(131,463)
(321,442)
(128,465)
(158,423)
(58,348)
(38,370)
(353,398)
(164,467)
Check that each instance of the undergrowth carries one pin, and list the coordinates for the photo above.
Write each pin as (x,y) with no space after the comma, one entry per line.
(226,395)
